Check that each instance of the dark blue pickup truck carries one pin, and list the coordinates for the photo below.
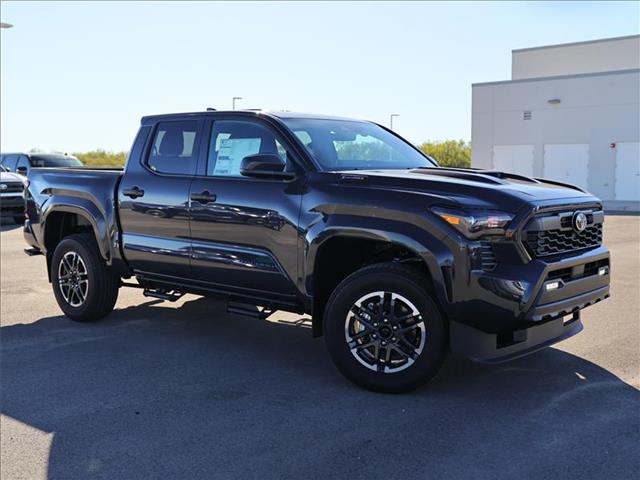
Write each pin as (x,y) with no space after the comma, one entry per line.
(397,260)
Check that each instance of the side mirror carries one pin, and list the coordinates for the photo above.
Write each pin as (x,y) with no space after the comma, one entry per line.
(21,171)
(263,165)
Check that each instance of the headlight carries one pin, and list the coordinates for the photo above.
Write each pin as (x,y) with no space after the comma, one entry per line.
(474,224)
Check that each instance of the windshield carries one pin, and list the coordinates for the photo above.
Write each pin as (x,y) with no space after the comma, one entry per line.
(354,145)
(55,161)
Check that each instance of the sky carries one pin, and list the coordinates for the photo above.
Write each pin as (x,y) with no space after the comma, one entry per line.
(78,76)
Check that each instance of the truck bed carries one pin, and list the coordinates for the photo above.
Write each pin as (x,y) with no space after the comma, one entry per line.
(74,190)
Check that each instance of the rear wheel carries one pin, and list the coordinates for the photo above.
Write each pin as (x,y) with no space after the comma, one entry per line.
(84,287)
(383,330)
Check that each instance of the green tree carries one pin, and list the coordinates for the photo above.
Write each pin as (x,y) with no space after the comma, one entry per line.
(449,153)
(102,158)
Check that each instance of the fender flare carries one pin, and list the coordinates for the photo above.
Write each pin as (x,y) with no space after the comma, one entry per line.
(87,210)
(429,248)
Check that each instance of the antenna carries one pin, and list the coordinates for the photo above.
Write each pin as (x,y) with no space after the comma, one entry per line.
(209,109)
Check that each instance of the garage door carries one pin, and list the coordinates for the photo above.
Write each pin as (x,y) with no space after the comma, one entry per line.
(628,171)
(514,159)
(567,163)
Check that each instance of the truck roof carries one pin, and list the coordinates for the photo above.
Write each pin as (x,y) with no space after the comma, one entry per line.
(256,112)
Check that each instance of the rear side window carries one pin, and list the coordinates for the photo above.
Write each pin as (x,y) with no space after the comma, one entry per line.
(23,162)
(173,148)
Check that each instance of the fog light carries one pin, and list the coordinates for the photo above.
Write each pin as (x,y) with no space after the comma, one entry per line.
(603,271)
(552,286)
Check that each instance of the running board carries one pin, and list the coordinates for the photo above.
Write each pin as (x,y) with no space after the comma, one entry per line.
(169,295)
(248,310)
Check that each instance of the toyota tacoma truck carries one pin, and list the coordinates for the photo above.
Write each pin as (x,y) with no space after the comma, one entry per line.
(397,260)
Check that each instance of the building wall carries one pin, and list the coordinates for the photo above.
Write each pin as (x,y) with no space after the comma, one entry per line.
(595,109)
(605,55)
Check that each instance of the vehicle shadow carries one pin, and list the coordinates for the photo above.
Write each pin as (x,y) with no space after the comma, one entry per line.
(194,392)
(8,224)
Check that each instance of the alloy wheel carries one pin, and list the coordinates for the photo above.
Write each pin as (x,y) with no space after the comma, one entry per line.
(385,331)
(73,279)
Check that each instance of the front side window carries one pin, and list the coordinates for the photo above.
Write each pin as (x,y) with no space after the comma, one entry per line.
(355,145)
(173,148)
(231,141)
(9,162)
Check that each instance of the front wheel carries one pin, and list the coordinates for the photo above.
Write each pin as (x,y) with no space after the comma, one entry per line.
(84,287)
(383,330)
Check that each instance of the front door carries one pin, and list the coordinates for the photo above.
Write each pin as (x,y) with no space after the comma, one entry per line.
(244,230)
(154,200)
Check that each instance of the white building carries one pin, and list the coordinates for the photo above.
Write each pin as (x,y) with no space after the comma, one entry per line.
(570,112)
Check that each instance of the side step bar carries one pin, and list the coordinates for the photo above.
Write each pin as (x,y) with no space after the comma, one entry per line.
(169,295)
(32,252)
(248,310)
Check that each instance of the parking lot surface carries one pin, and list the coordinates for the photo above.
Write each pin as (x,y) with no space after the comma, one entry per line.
(186,390)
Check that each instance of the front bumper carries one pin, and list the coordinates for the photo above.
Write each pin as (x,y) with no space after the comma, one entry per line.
(11,205)
(494,348)
(518,309)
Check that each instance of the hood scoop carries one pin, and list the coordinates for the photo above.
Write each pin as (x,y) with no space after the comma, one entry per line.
(461,174)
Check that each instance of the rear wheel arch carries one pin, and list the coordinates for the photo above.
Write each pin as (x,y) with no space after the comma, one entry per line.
(67,220)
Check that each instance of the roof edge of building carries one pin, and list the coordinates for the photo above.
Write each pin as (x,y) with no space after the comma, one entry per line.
(559,77)
(571,44)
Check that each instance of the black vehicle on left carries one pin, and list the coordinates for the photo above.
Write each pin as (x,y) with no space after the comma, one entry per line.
(11,191)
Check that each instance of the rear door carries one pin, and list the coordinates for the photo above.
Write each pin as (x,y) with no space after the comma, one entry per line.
(154,199)
(245,230)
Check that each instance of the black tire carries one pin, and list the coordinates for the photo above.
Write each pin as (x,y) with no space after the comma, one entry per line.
(18,219)
(102,287)
(407,284)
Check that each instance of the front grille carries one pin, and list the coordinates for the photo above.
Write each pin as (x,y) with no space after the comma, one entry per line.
(556,242)
(12,187)
(552,234)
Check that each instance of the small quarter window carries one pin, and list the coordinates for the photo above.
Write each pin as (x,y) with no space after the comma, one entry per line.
(173,148)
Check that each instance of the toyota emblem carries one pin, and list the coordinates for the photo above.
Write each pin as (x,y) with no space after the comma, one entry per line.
(579,222)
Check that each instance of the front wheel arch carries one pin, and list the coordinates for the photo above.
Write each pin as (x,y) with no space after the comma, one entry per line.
(340,255)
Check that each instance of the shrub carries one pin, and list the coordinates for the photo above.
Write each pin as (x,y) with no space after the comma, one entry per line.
(449,153)
(102,158)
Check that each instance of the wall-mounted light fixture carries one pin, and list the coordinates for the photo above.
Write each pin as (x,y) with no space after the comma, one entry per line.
(554,101)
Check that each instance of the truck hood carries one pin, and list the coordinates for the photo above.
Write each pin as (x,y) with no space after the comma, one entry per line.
(475,188)
(6,177)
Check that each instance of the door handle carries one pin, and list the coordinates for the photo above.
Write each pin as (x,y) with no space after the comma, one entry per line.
(133,192)
(203,197)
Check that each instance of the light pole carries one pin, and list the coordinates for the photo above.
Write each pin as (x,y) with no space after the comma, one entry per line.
(234,101)
(5,25)
(391,119)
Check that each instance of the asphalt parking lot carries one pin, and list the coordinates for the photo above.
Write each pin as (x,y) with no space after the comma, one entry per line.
(186,390)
